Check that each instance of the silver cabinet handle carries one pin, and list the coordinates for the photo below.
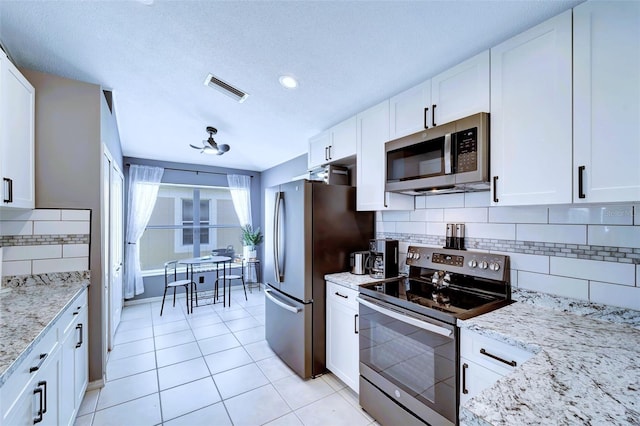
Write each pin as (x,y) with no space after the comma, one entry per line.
(406,319)
(292,309)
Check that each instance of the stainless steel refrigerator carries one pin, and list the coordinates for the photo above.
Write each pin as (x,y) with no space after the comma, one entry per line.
(311,228)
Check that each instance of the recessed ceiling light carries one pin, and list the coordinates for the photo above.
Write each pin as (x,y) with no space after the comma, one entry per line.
(288,82)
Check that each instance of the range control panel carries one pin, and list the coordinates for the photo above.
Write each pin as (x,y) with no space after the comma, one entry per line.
(478,264)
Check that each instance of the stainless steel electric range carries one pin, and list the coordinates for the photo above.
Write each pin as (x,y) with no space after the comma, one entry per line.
(409,349)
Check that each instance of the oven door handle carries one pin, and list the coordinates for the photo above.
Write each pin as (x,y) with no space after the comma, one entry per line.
(423,324)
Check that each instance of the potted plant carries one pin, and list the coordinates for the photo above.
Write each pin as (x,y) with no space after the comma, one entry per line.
(250,239)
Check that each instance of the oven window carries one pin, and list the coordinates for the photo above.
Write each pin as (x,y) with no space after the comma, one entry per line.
(417,361)
(416,161)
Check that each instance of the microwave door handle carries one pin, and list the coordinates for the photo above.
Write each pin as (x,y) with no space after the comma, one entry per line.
(447,154)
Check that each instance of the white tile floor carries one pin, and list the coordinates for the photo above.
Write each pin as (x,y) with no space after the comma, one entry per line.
(212,367)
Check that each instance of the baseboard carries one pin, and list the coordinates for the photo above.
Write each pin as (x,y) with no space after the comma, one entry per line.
(180,296)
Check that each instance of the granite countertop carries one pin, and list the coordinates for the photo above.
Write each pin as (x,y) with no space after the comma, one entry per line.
(28,307)
(586,368)
(353,281)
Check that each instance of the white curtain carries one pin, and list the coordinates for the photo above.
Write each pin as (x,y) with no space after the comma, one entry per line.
(240,187)
(144,182)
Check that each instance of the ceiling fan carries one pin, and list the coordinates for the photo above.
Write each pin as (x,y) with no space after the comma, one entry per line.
(210,146)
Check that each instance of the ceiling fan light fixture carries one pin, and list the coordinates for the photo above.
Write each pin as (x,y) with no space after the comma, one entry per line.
(209,146)
(288,82)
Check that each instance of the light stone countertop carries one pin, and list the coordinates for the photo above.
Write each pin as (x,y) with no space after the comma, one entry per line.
(353,281)
(29,305)
(586,368)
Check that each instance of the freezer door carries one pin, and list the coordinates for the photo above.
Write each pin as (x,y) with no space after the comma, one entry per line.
(288,330)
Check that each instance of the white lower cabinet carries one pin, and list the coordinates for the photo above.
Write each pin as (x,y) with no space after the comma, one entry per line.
(483,361)
(342,334)
(47,387)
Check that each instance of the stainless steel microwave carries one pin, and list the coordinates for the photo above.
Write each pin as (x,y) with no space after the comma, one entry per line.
(452,157)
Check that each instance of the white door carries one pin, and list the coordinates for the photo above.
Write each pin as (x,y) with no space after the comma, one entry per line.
(531,112)
(410,111)
(606,68)
(117,247)
(343,140)
(105,213)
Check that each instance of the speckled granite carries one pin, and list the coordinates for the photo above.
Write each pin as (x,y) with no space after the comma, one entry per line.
(28,307)
(352,281)
(585,371)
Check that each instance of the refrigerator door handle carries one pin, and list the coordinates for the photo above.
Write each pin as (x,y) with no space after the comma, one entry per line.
(293,309)
(276,239)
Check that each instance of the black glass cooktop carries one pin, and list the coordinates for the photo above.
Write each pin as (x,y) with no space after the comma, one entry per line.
(422,295)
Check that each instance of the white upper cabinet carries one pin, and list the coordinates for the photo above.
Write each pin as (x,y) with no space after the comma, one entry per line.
(333,145)
(606,115)
(17,126)
(456,93)
(409,111)
(372,134)
(461,91)
(531,112)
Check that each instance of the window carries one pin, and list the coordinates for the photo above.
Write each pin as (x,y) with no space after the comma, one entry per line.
(189,221)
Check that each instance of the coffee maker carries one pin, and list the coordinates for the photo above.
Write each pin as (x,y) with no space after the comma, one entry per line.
(384,258)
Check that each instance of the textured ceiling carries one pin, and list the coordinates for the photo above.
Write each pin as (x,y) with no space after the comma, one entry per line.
(347,56)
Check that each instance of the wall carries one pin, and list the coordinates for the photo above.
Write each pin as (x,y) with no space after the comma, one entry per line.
(194,174)
(583,252)
(44,241)
(68,159)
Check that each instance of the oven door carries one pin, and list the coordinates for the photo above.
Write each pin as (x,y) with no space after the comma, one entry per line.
(411,359)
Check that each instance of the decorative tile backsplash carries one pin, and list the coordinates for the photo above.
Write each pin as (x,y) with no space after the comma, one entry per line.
(589,252)
(44,241)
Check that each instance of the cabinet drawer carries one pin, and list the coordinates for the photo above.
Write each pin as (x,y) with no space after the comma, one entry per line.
(499,357)
(71,313)
(341,294)
(22,375)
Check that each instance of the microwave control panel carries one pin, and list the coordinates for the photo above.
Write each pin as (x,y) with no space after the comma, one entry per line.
(467,150)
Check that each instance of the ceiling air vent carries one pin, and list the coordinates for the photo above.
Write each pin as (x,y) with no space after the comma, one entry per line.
(224,87)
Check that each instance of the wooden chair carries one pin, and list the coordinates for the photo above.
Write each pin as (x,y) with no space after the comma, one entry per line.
(171,281)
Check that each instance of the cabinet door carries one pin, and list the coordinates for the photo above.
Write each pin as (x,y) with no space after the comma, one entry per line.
(68,404)
(319,150)
(372,133)
(81,356)
(461,91)
(343,140)
(531,103)
(606,64)
(17,115)
(410,111)
(474,379)
(342,341)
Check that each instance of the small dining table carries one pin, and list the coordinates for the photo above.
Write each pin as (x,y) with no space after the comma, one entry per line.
(208,260)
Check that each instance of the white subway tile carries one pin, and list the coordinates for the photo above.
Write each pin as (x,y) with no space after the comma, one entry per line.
(411,228)
(59,228)
(396,216)
(19,267)
(387,227)
(569,234)
(403,247)
(60,265)
(514,277)
(477,199)
(16,228)
(435,215)
(614,236)
(420,201)
(33,252)
(435,228)
(464,215)
(445,201)
(39,214)
(378,216)
(596,215)
(636,214)
(75,250)
(531,214)
(419,215)
(76,214)
(527,262)
(499,231)
(595,270)
(616,295)
(551,284)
